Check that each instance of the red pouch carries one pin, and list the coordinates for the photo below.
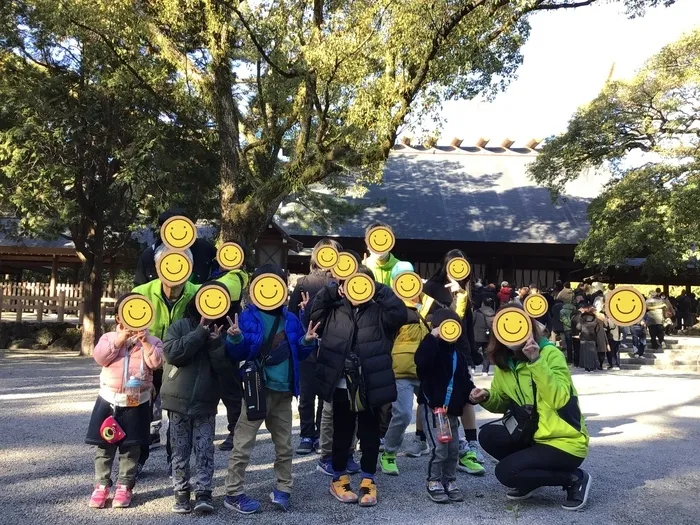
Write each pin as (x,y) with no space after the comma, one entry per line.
(111,432)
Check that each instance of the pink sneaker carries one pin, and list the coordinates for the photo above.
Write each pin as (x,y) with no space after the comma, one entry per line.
(99,496)
(122,497)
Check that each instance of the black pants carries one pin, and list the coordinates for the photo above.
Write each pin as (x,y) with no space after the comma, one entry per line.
(614,354)
(531,467)
(145,450)
(569,347)
(656,331)
(577,350)
(384,420)
(343,428)
(309,411)
(232,396)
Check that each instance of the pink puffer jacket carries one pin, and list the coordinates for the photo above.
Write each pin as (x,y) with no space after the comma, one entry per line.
(111,359)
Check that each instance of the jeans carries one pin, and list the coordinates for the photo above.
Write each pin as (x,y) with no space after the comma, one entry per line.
(640,343)
(443,456)
(344,428)
(309,414)
(104,459)
(614,354)
(186,433)
(401,414)
(569,344)
(656,331)
(530,467)
(481,348)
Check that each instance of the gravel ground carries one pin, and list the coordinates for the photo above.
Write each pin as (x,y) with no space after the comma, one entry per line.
(645,460)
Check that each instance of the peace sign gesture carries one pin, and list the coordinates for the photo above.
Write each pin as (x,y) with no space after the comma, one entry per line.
(311,334)
(216,332)
(305,297)
(233,329)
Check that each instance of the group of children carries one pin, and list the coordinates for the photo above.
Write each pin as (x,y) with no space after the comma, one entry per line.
(367,358)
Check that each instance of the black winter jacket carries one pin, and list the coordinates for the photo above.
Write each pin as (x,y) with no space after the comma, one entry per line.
(203,253)
(190,382)
(368,330)
(557,325)
(311,284)
(483,323)
(434,366)
(592,329)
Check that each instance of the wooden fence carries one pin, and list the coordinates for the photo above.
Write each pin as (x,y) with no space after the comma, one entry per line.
(36,300)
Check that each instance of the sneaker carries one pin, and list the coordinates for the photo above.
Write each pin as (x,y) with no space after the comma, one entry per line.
(387,462)
(99,497)
(469,464)
(484,374)
(417,448)
(242,504)
(227,444)
(122,497)
(453,492)
(155,441)
(577,494)
(182,502)
(203,503)
(340,490)
(616,368)
(436,492)
(170,469)
(306,446)
(280,499)
(474,447)
(353,466)
(317,446)
(609,367)
(368,493)
(519,494)
(325,466)
(381,444)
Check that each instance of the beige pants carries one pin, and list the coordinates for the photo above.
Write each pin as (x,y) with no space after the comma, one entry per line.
(279,422)
(327,431)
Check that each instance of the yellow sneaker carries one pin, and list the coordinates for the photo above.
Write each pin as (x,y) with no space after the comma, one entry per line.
(341,490)
(368,493)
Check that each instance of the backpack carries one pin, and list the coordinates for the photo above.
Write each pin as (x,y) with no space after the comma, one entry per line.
(565,316)
(406,343)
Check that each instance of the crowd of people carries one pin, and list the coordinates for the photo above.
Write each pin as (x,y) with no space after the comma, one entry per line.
(356,367)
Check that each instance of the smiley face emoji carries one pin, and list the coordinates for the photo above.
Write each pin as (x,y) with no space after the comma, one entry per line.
(380,239)
(407,286)
(268,291)
(512,326)
(359,288)
(174,268)
(450,330)
(625,306)
(458,269)
(230,256)
(213,301)
(178,233)
(536,305)
(326,257)
(136,312)
(345,267)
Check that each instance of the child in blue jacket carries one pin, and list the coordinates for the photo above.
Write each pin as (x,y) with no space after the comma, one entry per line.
(284,343)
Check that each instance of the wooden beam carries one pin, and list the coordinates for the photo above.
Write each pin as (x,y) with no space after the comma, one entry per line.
(54,275)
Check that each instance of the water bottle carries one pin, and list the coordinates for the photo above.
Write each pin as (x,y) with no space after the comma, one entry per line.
(132,389)
(442,425)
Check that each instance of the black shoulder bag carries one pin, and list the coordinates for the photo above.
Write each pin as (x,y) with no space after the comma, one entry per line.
(520,421)
(253,380)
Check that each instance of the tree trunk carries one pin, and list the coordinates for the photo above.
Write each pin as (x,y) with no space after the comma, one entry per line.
(93,262)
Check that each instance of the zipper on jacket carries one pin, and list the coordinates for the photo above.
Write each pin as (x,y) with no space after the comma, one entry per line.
(352,345)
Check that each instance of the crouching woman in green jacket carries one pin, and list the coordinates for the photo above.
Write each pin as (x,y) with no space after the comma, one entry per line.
(560,442)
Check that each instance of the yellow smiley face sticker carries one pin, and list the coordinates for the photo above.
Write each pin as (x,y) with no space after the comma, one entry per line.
(380,239)
(450,330)
(512,326)
(174,268)
(230,256)
(178,233)
(212,301)
(536,305)
(345,267)
(359,288)
(326,257)
(625,306)
(136,312)
(407,286)
(458,268)
(268,291)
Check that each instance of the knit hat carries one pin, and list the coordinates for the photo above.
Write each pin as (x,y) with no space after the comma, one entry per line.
(443,314)
(401,267)
(270,268)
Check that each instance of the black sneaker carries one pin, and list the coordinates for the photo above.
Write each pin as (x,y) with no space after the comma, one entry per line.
(227,444)
(436,492)
(139,470)
(154,441)
(306,446)
(577,494)
(519,494)
(182,502)
(203,503)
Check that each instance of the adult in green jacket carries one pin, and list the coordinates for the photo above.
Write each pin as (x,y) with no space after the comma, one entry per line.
(380,264)
(561,440)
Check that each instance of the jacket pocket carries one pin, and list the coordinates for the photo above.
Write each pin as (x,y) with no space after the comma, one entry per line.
(571,412)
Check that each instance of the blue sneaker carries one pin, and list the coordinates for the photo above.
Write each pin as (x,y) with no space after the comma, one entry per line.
(280,499)
(353,467)
(325,466)
(306,446)
(242,504)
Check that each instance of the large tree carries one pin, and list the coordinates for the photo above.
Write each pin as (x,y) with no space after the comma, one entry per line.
(646,133)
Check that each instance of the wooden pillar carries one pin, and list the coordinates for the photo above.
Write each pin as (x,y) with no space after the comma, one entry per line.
(666,290)
(688,290)
(54,276)
(112,275)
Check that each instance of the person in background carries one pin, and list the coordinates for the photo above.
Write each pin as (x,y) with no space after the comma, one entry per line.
(489,292)
(594,344)
(309,413)
(504,294)
(614,335)
(575,330)
(566,295)
(483,324)
(477,295)
(683,317)
(656,309)
(557,325)
(522,294)
(565,316)
(639,338)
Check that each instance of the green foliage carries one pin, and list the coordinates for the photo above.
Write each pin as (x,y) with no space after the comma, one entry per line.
(645,132)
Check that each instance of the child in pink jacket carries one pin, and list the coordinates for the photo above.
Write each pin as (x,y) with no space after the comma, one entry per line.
(128,359)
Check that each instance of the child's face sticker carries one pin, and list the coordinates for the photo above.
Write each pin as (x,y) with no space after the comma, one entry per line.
(458,269)
(535,305)
(345,267)
(230,256)
(380,240)
(450,330)
(407,286)
(268,291)
(625,306)
(512,326)
(359,288)
(178,233)
(326,257)
(212,301)
(174,268)
(136,312)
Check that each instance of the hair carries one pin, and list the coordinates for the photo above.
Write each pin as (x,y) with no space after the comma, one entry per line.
(376,225)
(192,312)
(567,284)
(500,355)
(504,284)
(440,276)
(320,244)
(123,297)
(163,249)
(363,269)
(488,301)
(172,212)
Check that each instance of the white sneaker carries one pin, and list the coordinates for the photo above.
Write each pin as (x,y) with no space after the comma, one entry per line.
(616,368)
(484,374)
